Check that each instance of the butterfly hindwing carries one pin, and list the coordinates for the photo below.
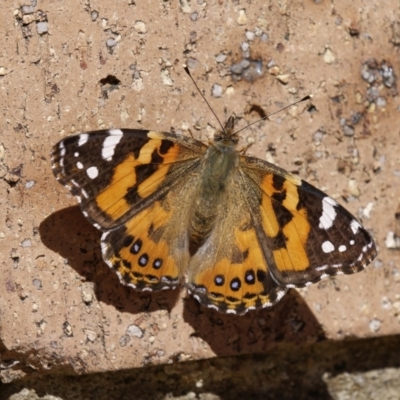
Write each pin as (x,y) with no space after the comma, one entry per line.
(151,251)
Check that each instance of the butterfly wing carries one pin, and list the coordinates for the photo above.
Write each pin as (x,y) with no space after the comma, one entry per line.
(274,231)
(229,271)
(305,235)
(128,183)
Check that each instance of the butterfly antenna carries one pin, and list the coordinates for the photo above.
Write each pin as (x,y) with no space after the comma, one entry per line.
(276,112)
(201,94)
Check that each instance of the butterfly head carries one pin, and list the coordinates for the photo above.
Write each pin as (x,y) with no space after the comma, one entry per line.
(227,137)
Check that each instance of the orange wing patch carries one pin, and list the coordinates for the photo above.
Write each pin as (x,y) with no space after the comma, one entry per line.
(241,283)
(138,252)
(285,225)
(127,177)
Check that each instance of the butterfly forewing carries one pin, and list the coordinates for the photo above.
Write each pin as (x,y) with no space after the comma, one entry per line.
(116,173)
(305,234)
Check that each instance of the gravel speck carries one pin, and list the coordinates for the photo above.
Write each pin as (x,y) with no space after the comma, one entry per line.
(216,90)
(94,15)
(42,28)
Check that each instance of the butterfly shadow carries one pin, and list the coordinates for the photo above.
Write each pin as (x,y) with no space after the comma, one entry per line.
(290,321)
(68,233)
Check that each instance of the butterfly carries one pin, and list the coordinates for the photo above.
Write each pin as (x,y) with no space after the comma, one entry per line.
(239,229)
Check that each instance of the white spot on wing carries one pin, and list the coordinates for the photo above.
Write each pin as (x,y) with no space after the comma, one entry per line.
(84,193)
(327,247)
(62,148)
(92,172)
(110,143)
(355,226)
(352,242)
(328,213)
(76,154)
(79,165)
(342,248)
(83,138)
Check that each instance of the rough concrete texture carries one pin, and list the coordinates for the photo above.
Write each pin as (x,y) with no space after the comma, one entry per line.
(338,370)
(73,66)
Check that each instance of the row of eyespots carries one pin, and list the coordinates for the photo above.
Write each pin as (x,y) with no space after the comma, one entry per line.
(236,283)
(135,246)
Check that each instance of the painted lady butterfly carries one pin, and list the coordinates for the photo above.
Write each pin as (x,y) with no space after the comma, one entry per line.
(240,229)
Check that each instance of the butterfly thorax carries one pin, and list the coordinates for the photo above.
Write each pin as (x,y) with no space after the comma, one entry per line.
(219,164)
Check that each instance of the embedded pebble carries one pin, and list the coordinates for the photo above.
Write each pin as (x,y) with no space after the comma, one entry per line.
(87,297)
(111,43)
(274,70)
(317,137)
(250,35)
(375,325)
(329,57)
(240,66)
(245,46)
(134,331)
(258,31)
(348,130)
(216,90)
(26,243)
(67,329)
(94,15)
(191,63)
(372,93)
(220,58)
(140,27)
(381,102)
(392,241)
(242,19)
(27,9)
(367,210)
(90,335)
(37,283)
(42,28)
(194,16)
(165,77)
(386,303)
(27,19)
(356,118)
(29,184)
(254,71)
(353,188)
(264,37)
(284,78)
(2,71)
(388,75)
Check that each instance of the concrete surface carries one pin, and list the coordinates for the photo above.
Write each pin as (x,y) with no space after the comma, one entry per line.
(67,67)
